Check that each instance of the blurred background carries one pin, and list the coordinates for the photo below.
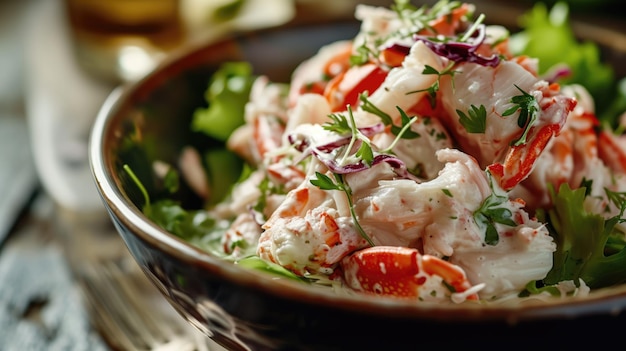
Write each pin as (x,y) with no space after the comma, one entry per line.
(59,60)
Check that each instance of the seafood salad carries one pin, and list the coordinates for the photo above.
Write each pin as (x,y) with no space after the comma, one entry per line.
(424,160)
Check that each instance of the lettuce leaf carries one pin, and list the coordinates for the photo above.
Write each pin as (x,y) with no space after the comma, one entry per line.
(548,36)
(227,95)
(589,247)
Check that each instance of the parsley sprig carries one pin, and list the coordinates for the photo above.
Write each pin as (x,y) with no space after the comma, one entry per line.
(402,130)
(590,247)
(434,88)
(475,121)
(528,108)
(492,211)
(325,183)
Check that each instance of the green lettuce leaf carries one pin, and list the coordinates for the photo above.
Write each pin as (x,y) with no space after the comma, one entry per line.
(227,95)
(588,246)
(548,36)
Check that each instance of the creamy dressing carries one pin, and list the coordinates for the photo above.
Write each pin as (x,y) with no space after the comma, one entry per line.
(440,193)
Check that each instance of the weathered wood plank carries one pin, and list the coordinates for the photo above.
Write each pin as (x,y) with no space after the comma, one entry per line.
(41,307)
(18,178)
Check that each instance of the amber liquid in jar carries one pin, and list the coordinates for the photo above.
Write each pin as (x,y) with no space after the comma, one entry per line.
(120,40)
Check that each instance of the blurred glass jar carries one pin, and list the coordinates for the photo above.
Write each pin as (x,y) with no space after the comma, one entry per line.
(120,40)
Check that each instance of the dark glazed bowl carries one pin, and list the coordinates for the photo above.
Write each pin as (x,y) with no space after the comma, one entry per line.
(248,310)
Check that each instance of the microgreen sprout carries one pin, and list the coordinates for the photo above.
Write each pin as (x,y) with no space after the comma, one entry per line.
(419,17)
(401,131)
(471,30)
(324,182)
(434,88)
(341,125)
(146,208)
(362,55)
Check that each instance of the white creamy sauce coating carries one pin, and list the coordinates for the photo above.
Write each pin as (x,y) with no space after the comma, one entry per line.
(310,230)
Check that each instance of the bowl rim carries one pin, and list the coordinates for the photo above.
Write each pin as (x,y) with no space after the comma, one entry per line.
(603,301)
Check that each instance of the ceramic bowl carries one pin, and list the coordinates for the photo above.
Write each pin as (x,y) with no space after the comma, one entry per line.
(248,310)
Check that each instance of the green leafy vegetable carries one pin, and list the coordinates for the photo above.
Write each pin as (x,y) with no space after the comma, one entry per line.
(589,247)
(257,263)
(548,36)
(228,10)
(266,188)
(419,17)
(169,215)
(171,181)
(413,17)
(186,224)
(339,124)
(227,95)
(362,55)
(223,168)
(532,288)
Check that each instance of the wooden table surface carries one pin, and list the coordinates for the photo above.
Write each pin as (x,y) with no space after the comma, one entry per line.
(41,302)
(41,306)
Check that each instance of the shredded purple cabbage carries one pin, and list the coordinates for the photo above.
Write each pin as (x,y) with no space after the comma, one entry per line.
(399,48)
(303,144)
(397,164)
(557,72)
(462,51)
(454,50)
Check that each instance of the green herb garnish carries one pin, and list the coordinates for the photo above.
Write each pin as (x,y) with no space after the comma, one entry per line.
(396,130)
(476,119)
(492,211)
(528,108)
(325,183)
(434,88)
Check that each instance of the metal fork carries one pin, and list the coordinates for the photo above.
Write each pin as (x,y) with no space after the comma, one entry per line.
(130,314)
